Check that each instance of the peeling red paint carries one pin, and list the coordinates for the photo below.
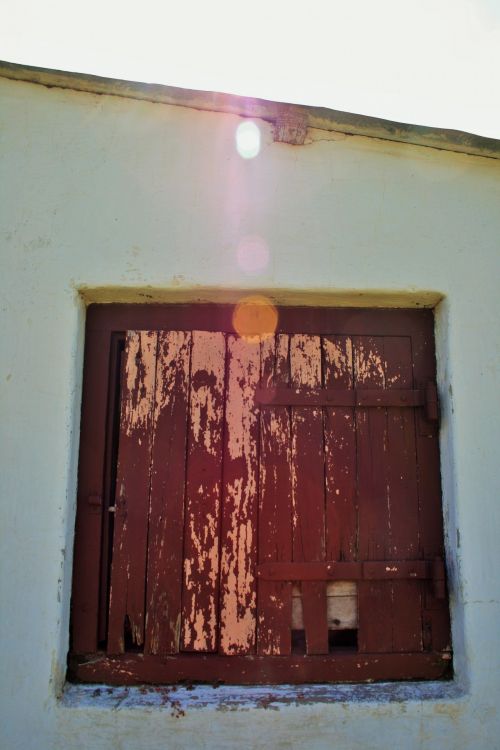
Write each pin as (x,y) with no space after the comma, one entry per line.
(238,554)
(140,368)
(166,512)
(128,574)
(203,488)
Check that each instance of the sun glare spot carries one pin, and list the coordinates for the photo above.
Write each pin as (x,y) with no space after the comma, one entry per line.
(252,254)
(255,317)
(248,139)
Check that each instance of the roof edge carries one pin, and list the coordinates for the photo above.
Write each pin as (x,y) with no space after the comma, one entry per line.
(315,117)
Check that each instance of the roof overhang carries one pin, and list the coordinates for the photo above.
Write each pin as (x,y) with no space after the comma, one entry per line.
(312,117)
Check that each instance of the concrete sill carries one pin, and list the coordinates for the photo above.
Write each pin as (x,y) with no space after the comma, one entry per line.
(179,699)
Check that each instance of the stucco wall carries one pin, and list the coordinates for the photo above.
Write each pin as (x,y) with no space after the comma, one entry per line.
(107,198)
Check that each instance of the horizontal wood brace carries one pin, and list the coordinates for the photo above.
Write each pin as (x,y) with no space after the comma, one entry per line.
(133,669)
(343,397)
(379,570)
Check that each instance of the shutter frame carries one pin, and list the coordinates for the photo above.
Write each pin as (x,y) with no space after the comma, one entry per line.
(434,610)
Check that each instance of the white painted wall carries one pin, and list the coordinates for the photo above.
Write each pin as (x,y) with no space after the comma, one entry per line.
(103,198)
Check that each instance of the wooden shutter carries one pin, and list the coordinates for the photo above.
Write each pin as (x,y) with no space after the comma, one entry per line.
(275,509)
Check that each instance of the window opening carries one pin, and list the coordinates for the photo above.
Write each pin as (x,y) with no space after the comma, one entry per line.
(258,510)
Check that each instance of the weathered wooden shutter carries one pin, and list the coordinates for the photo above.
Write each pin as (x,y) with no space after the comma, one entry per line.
(276,511)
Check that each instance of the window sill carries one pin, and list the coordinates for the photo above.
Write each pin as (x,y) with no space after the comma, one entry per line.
(179,699)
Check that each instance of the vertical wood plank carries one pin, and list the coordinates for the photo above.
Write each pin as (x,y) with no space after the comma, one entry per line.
(87,553)
(340,454)
(274,600)
(117,366)
(128,572)
(308,494)
(436,612)
(403,530)
(239,516)
(203,489)
(166,514)
(374,598)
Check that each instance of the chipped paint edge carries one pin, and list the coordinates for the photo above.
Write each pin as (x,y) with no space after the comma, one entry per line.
(238,698)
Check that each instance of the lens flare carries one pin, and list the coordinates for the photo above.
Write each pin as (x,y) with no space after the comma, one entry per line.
(248,140)
(253,254)
(255,317)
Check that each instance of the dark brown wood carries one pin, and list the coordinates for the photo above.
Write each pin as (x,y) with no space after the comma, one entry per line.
(381,570)
(431,402)
(134,669)
(438,578)
(398,521)
(436,623)
(402,397)
(308,493)
(340,453)
(269,397)
(87,552)
(310,571)
(166,505)
(274,599)
(128,572)
(374,597)
(109,484)
(402,498)
(398,570)
(238,584)
(214,317)
(200,596)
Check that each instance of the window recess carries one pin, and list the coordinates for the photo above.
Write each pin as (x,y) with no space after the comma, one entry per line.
(263,509)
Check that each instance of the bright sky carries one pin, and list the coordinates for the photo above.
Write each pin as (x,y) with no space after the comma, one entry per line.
(432,62)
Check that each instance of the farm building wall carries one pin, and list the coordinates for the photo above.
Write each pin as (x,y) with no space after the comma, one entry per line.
(106,198)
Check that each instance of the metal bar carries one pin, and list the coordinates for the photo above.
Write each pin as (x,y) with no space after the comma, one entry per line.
(431,402)
(438,578)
